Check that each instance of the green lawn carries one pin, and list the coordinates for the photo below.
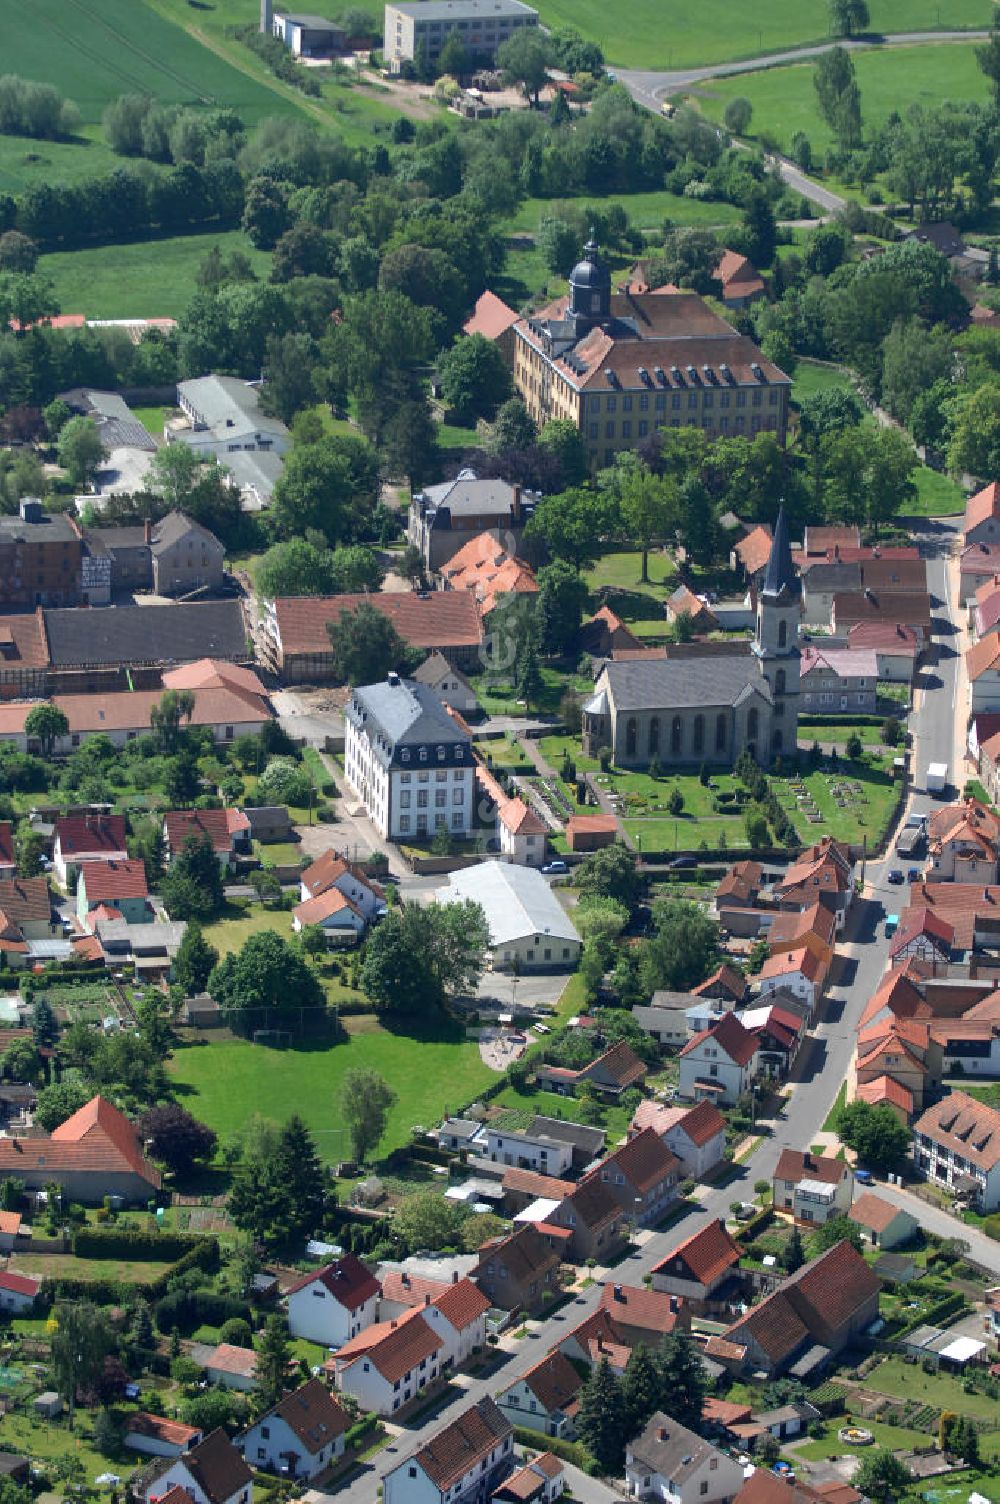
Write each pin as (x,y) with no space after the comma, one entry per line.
(716,30)
(44,1441)
(224,1082)
(235,928)
(937,495)
(784,99)
(68,1266)
(893,1437)
(142,279)
(907,1381)
(623,571)
(836,731)
(614,1120)
(24,162)
(153,418)
(647,211)
(554,749)
(94,52)
(812,376)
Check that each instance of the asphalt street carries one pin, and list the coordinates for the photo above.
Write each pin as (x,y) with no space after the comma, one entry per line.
(821,1068)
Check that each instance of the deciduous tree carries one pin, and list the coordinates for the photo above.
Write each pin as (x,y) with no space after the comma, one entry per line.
(365,1100)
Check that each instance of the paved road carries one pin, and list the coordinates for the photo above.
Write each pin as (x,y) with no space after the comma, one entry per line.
(652,86)
(819,1072)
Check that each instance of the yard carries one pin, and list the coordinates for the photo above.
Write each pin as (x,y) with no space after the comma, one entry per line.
(893,1437)
(622,571)
(716,30)
(226,1081)
(647,211)
(784,99)
(142,279)
(813,376)
(614,1120)
(46,1441)
(68,1266)
(908,1381)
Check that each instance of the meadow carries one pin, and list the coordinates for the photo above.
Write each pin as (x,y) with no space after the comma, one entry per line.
(225,1081)
(784,99)
(142,278)
(647,211)
(92,53)
(659,35)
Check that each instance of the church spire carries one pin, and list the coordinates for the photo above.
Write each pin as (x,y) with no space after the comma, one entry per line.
(781,578)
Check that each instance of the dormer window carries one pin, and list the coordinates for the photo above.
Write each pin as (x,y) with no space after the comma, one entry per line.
(404,756)
(440,754)
(423,754)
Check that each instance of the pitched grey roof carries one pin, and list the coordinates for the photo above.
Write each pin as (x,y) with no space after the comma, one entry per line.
(82,636)
(832,577)
(591,1140)
(175,526)
(698,682)
(227,407)
(454,10)
(517,901)
(257,470)
(434,667)
(117,424)
(781,578)
(467,496)
(670,1449)
(54,527)
(402,713)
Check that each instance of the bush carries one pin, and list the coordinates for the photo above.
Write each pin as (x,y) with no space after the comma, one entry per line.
(133,1243)
(184,1310)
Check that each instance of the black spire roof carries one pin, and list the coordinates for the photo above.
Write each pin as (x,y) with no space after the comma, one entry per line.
(781,579)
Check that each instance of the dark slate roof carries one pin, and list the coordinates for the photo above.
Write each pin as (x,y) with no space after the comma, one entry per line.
(781,578)
(580,1135)
(402,713)
(81,637)
(700,682)
(54,527)
(831,577)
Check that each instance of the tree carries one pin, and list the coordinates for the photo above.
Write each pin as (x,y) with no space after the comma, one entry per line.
(193,887)
(365,1100)
(194,960)
(755,825)
(273,1361)
(303,1177)
(737,116)
(59,1101)
(648,509)
(838,95)
(46,723)
(513,428)
(523,58)
(609,873)
(683,949)
(44,1025)
(165,717)
(988,59)
(80,450)
(794,1255)
(975,432)
(173,471)
(474,378)
(29,847)
(682,1379)
(266,215)
(324,486)
(366,646)
(237,1332)
(562,596)
(410,442)
(296,567)
(602,1419)
(18,253)
(79,1345)
(574,524)
(453,58)
(837,1229)
(881,1476)
(175,1138)
(278,1194)
(285,781)
(267,973)
(426,1220)
(561,438)
(559,243)
(759,229)
(420,957)
(848,17)
(640,1390)
(875,1134)
(210,1409)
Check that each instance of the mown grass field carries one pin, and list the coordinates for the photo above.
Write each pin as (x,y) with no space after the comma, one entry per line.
(141,279)
(224,1082)
(659,35)
(784,99)
(92,52)
(647,211)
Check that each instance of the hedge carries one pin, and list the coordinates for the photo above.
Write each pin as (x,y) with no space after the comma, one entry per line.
(360,1429)
(569,1451)
(114,1292)
(184,1310)
(132,1243)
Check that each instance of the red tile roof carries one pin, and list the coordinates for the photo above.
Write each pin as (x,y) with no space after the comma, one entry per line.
(729,1034)
(392,1347)
(402,1289)
(88,835)
(462,1304)
(635,1306)
(313,1414)
(725,979)
(142,1423)
(886,1089)
(219,825)
(798,1164)
(964,1125)
(217,1467)
(553,1381)
(461,1446)
(322,906)
(491,317)
(96,1138)
(112,880)
(228,1358)
(982,506)
(439,619)
(871,1211)
(705,1256)
(19,1284)
(644,1160)
(348,1280)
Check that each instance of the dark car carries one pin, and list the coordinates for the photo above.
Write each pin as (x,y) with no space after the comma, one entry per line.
(913,875)
(895,877)
(684,862)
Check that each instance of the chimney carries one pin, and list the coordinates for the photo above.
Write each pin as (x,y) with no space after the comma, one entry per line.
(406,1281)
(619,1293)
(147,532)
(427,1298)
(392,1324)
(517,504)
(454,1276)
(393,678)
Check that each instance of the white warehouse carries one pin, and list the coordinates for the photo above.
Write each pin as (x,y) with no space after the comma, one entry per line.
(529,928)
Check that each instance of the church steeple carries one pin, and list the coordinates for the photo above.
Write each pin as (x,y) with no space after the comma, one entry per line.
(781,579)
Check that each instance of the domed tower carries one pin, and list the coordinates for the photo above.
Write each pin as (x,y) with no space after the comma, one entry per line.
(776,643)
(589,289)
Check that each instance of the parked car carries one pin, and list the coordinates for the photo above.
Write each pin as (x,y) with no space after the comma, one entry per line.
(913,874)
(864,1177)
(683,862)
(895,876)
(552,869)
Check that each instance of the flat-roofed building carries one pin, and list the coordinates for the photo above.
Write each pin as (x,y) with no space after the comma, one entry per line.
(424,25)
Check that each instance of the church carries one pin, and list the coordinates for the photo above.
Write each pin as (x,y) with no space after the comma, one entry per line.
(703,703)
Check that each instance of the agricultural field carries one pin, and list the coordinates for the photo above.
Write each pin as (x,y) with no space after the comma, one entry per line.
(784,99)
(647,211)
(141,279)
(225,1081)
(25,163)
(94,52)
